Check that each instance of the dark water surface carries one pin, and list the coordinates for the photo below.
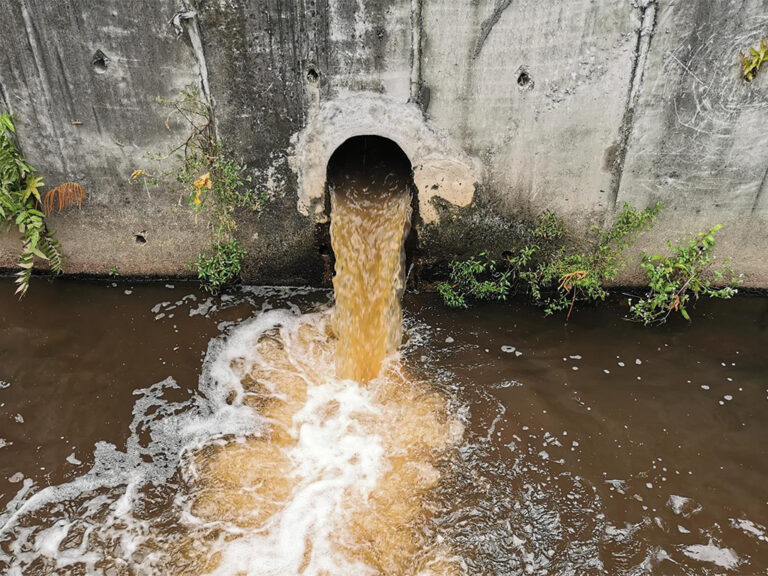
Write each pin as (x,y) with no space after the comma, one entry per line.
(597,447)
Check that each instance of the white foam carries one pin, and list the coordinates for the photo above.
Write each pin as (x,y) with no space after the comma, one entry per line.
(723,557)
(335,460)
(750,527)
(111,492)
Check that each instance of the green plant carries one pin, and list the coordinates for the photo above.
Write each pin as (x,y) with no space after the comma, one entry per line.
(569,278)
(22,206)
(553,277)
(674,280)
(146,180)
(222,267)
(483,279)
(114,271)
(476,278)
(212,182)
(751,63)
(211,179)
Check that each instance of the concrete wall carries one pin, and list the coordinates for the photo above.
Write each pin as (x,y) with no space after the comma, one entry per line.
(505,107)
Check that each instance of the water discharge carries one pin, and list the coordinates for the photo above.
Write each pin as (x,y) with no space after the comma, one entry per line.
(309,451)
(368,230)
(311,442)
(336,484)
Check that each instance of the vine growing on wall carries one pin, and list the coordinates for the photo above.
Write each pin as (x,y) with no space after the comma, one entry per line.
(23,206)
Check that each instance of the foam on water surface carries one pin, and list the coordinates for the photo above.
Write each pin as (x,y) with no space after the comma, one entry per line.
(307,448)
(315,445)
(274,466)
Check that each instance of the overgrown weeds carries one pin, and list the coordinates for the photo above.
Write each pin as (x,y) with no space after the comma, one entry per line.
(221,267)
(212,183)
(561,281)
(689,272)
(556,278)
(474,279)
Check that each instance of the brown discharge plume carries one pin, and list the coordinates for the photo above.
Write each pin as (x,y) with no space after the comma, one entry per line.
(367,233)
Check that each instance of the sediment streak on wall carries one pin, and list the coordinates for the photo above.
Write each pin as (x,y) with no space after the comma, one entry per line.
(647,22)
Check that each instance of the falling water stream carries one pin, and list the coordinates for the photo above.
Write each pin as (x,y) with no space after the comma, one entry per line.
(335,438)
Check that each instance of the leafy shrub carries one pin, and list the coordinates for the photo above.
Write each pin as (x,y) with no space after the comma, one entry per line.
(22,206)
(554,278)
(564,279)
(687,273)
(220,268)
(476,279)
(213,183)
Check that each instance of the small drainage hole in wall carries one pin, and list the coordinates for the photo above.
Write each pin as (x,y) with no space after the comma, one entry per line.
(141,239)
(100,62)
(524,79)
(313,76)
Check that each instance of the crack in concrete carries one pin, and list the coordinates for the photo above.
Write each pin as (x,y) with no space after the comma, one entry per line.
(488,24)
(647,17)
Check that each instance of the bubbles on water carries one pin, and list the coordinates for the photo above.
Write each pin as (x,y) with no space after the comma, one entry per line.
(722,557)
(273,466)
(101,519)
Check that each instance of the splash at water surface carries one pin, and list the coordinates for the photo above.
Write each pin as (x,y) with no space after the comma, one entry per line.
(310,449)
(314,444)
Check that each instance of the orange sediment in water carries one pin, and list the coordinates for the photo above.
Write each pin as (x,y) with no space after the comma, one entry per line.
(338,483)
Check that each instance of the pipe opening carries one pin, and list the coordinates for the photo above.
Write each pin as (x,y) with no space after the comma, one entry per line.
(369,163)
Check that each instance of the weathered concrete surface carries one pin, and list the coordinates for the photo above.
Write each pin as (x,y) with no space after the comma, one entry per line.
(535,89)
(698,134)
(505,107)
(94,120)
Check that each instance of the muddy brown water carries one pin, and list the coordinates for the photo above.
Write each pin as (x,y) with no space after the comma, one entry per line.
(597,447)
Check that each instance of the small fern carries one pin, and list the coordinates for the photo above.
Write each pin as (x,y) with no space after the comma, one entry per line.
(51,248)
